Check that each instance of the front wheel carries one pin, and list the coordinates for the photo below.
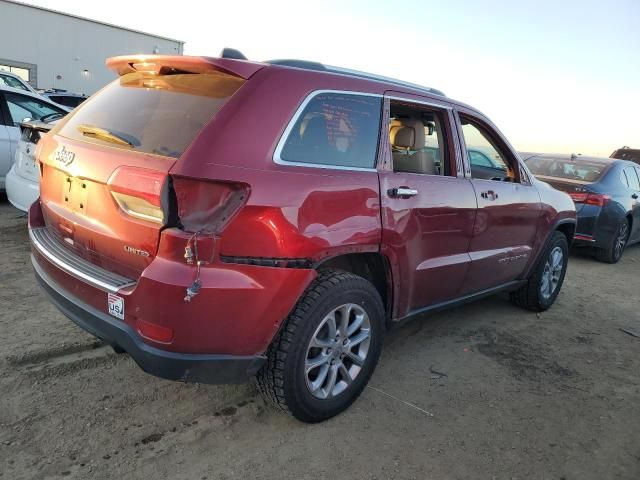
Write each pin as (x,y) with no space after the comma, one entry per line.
(327,349)
(544,284)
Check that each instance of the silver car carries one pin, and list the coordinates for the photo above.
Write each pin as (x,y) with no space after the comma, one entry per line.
(18,106)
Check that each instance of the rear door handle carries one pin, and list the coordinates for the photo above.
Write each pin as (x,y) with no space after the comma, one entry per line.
(634,196)
(402,192)
(489,195)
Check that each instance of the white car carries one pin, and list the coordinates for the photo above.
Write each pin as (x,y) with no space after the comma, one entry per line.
(18,106)
(23,180)
(8,79)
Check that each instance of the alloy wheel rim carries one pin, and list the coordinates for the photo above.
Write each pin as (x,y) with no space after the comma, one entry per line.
(337,351)
(552,273)
(621,240)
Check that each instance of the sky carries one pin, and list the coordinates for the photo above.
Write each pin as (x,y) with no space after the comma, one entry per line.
(554,75)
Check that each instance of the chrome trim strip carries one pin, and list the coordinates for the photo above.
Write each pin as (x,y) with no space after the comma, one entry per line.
(285,135)
(441,106)
(74,271)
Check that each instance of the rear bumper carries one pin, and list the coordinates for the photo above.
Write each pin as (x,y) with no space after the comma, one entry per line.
(21,192)
(597,226)
(204,368)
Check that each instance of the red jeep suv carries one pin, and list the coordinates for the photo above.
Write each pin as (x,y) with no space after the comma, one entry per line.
(219,219)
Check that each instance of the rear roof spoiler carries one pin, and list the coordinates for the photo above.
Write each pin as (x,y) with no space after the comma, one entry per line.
(132,63)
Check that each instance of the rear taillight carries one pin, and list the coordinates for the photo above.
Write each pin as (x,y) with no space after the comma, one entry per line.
(597,199)
(138,192)
(208,206)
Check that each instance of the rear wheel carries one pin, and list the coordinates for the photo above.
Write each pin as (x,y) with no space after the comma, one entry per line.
(543,286)
(327,349)
(613,253)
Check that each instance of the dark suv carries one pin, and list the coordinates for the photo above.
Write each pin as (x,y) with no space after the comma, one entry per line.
(219,219)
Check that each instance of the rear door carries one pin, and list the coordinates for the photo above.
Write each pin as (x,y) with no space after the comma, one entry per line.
(104,188)
(427,213)
(508,208)
(633,179)
(5,142)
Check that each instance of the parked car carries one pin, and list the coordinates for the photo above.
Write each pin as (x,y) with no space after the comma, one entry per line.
(605,192)
(62,97)
(627,153)
(17,106)
(8,79)
(23,180)
(218,219)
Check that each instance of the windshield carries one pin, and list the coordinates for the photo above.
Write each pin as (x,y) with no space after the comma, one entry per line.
(158,114)
(583,170)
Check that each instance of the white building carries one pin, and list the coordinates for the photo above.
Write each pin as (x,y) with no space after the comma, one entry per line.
(52,49)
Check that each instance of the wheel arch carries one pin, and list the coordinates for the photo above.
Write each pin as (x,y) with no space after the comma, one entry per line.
(372,266)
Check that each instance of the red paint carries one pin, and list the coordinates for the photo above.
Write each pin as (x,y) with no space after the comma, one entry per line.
(444,243)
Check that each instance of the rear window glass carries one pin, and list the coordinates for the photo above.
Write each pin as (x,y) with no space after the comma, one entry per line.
(158,114)
(336,129)
(582,170)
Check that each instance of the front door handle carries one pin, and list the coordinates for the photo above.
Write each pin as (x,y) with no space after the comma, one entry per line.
(489,195)
(634,196)
(402,192)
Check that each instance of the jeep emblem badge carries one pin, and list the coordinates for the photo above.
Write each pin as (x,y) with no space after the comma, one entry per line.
(64,156)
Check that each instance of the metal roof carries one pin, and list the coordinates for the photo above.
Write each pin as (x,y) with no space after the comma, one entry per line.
(57,12)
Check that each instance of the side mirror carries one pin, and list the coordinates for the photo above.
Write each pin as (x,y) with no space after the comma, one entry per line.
(26,119)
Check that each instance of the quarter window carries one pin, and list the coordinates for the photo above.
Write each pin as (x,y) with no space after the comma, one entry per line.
(335,129)
(632,178)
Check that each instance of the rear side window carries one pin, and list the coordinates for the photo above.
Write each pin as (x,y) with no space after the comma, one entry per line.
(158,114)
(23,108)
(632,179)
(335,129)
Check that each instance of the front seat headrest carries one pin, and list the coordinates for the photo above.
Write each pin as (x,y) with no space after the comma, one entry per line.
(407,133)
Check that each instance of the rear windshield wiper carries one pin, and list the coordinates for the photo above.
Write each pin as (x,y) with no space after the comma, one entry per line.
(103,134)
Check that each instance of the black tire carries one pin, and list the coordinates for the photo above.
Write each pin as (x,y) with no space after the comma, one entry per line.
(530,296)
(613,253)
(283,380)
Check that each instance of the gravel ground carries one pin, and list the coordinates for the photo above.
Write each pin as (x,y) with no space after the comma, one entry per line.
(481,391)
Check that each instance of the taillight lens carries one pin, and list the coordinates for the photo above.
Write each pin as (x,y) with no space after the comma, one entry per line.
(138,192)
(208,206)
(597,199)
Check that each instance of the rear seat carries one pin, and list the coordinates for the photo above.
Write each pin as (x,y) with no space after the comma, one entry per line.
(407,135)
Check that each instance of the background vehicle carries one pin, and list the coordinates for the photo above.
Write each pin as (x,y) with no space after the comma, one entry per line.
(62,97)
(218,218)
(23,180)
(17,106)
(627,153)
(606,193)
(11,80)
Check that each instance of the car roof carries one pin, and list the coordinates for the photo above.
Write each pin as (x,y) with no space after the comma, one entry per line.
(239,66)
(567,156)
(32,95)
(64,94)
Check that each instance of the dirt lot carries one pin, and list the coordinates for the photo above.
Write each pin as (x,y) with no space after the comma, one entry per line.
(517,395)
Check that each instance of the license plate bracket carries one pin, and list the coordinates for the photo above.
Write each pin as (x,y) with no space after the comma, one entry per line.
(75,194)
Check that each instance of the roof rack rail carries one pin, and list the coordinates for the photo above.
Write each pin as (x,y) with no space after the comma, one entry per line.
(307,65)
(319,67)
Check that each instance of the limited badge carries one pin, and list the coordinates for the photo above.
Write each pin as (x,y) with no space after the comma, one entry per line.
(115,305)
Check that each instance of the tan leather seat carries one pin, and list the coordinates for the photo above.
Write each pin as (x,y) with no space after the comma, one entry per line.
(407,135)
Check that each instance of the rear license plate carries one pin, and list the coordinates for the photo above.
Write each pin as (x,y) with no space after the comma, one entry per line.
(115,306)
(75,194)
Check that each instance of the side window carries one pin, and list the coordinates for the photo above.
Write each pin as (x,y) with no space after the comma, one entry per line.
(417,139)
(22,107)
(634,183)
(487,160)
(624,179)
(336,129)
(8,81)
